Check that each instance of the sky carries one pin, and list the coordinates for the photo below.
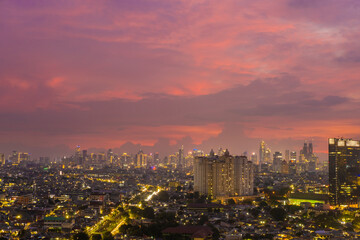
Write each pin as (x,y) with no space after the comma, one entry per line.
(159,74)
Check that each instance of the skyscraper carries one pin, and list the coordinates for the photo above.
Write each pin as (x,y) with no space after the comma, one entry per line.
(2,158)
(277,162)
(253,158)
(181,156)
(223,176)
(293,156)
(287,155)
(307,159)
(262,152)
(344,170)
(110,156)
(141,159)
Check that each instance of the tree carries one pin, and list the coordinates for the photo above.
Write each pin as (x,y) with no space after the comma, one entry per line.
(163,196)
(196,195)
(246,202)
(81,236)
(255,212)
(278,214)
(356,223)
(148,212)
(135,212)
(283,191)
(107,236)
(293,208)
(96,237)
(216,233)
(326,221)
(263,204)
(231,201)
(203,219)
(24,234)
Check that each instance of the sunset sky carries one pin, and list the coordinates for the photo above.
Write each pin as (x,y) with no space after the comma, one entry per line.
(159,74)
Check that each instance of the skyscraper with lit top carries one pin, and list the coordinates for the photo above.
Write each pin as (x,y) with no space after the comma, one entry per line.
(344,171)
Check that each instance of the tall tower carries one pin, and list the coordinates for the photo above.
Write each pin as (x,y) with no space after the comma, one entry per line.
(181,156)
(344,170)
(292,163)
(262,152)
(2,158)
(110,156)
(310,148)
(305,150)
(287,155)
(78,155)
(277,161)
(141,159)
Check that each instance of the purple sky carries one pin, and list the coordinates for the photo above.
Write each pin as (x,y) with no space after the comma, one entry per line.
(158,74)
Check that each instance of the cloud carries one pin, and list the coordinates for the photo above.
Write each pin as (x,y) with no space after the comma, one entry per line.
(120,71)
(263,106)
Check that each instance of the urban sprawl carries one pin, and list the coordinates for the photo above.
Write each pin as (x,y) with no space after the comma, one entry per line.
(186,195)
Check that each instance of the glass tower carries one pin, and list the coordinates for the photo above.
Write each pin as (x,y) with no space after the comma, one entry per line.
(344,171)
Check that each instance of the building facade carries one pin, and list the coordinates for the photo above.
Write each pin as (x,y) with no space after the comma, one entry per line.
(344,171)
(223,176)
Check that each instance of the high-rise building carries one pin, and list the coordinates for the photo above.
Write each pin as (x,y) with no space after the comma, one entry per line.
(44,160)
(310,150)
(262,152)
(307,158)
(181,156)
(101,158)
(110,156)
(221,152)
(24,157)
(223,176)
(264,157)
(85,155)
(344,170)
(292,167)
(141,159)
(78,159)
(172,160)
(284,167)
(14,157)
(125,160)
(287,155)
(2,158)
(253,158)
(267,158)
(18,157)
(277,162)
(198,153)
(293,156)
(156,157)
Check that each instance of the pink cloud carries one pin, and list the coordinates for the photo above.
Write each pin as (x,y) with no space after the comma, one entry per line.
(60,57)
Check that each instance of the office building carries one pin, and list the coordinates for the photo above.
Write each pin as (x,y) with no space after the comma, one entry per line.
(141,159)
(262,150)
(181,156)
(287,155)
(2,158)
(277,162)
(344,171)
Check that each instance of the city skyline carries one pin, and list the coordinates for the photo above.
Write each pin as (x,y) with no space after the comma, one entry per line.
(164,74)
